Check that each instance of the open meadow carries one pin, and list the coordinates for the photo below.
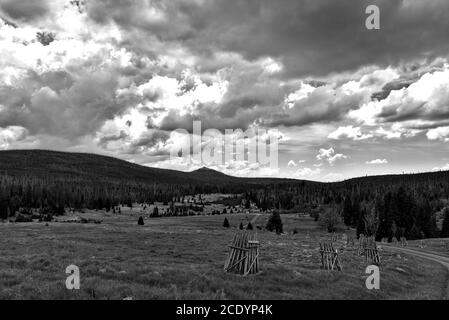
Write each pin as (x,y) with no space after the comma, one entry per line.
(183,258)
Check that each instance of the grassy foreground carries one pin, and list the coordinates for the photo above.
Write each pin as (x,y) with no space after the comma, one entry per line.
(183,257)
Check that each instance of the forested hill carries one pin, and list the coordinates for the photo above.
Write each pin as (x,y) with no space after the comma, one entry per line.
(40,178)
(92,167)
(401,178)
(85,166)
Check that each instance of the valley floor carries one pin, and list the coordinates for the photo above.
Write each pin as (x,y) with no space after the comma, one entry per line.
(183,258)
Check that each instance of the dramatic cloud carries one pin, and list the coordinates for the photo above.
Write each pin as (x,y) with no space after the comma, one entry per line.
(441,133)
(117,77)
(310,37)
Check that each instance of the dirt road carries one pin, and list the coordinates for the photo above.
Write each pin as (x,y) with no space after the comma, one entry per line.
(441,259)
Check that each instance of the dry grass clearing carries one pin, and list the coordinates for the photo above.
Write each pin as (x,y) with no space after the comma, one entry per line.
(183,257)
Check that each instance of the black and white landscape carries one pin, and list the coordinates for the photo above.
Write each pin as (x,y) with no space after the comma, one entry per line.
(212,149)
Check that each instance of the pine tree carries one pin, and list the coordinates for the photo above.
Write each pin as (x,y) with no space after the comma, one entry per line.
(347,212)
(394,231)
(371,220)
(361,224)
(155,213)
(140,222)
(3,209)
(415,232)
(385,220)
(241,226)
(249,226)
(226,223)
(275,223)
(445,227)
(356,213)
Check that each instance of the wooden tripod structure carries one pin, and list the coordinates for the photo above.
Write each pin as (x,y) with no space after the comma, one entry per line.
(329,256)
(243,255)
(368,248)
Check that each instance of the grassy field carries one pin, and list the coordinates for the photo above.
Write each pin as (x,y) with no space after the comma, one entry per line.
(183,258)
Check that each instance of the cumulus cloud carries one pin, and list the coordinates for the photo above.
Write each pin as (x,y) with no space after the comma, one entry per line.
(349,132)
(377,161)
(292,163)
(330,156)
(441,133)
(425,100)
(11,134)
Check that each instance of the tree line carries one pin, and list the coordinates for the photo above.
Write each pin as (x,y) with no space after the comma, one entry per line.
(383,206)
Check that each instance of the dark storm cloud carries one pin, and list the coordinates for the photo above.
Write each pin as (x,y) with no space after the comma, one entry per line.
(309,36)
(105,140)
(151,138)
(55,104)
(424,104)
(151,142)
(391,86)
(254,99)
(209,120)
(24,10)
(312,38)
(169,20)
(324,105)
(412,72)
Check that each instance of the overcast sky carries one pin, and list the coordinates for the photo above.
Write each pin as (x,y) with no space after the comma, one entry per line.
(118,76)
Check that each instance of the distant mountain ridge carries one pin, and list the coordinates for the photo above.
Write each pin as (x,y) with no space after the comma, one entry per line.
(45,163)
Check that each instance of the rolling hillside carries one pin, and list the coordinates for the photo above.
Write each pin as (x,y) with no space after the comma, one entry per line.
(84,166)
(44,163)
